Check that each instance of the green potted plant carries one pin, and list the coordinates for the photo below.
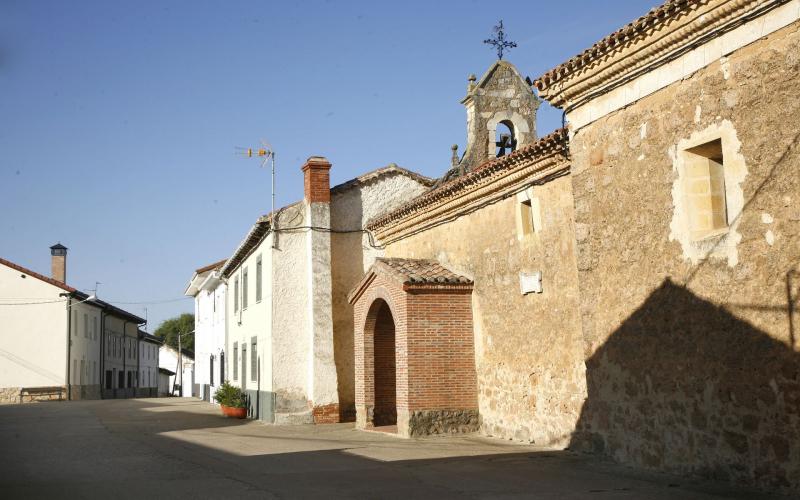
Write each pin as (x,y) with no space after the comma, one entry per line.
(232,400)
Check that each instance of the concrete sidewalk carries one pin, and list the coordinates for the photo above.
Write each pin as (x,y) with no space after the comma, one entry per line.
(183,448)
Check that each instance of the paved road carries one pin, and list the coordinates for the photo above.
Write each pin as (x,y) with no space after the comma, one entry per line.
(181,448)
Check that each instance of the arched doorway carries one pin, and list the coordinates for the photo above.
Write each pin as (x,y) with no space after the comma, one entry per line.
(385,366)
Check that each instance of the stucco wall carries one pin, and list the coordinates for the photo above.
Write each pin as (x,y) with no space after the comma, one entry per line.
(692,363)
(351,256)
(209,337)
(528,352)
(33,338)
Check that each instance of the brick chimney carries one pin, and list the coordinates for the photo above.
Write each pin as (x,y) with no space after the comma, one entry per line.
(317,181)
(58,262)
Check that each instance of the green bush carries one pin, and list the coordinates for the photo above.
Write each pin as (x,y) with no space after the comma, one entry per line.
(231,396)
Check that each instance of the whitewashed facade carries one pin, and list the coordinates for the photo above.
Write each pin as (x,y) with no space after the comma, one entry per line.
(52,338)
(179,384)
(287,345)
(208,290)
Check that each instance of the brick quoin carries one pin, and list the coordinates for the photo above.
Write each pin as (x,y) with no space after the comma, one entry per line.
(316,180)
(326,414)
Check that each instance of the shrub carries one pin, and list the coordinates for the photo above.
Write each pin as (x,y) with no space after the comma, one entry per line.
(231,396)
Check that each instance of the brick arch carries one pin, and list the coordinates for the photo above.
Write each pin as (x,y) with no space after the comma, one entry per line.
(435,380)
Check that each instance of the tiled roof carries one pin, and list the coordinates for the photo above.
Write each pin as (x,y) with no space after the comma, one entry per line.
(38,276)
(420,271)
(553,142)
(622,37)
(215,265)
(74,291)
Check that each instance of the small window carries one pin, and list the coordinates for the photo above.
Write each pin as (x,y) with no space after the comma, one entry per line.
(529,219)
(259,268)
(705,190)
(253,360)
(75,323)
(236,294)
(85,326)
(94,327)
(235,361)
(244,288)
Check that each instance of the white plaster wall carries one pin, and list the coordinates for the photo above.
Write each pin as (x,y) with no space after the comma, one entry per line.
(168,358)
(85,344)
(291,338)
(148,366)
(251,321)
(33,338)
(124,357)
(209,336)
(322,369)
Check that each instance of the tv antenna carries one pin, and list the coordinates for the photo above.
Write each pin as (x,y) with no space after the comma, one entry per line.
(268,155)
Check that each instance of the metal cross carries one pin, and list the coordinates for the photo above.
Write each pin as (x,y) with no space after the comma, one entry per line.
(500,43)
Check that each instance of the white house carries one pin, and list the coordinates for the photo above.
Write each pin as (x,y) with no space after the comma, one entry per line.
(182,379)
(51,334)
(149,346)
(208,290)
(289,326)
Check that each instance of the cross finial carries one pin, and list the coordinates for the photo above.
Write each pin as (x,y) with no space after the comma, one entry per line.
(500,43)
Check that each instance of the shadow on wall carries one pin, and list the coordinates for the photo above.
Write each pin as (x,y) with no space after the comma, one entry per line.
(685,386)
(347,267)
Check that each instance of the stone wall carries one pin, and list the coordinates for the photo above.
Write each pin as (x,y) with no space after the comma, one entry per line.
(528,351)
(692,362)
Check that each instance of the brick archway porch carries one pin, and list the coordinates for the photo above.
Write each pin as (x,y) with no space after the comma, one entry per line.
(424,312)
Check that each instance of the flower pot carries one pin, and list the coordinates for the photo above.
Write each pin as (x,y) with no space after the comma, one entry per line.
(234,412)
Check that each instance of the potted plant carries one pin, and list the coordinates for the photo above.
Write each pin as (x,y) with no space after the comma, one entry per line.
(232,400)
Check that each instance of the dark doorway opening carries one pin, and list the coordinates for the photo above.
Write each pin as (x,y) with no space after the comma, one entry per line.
(385,368)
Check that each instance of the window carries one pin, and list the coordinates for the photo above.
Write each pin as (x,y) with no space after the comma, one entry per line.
(211,370)
(74,370)
(529,220)
(109,379)
(94,372)
(75,323)
(705,190)
(244,288)
(94,328)
(85,326)
(83,371)
(236,294)
(221,368)
(253,360)
(259,268)
(235,361)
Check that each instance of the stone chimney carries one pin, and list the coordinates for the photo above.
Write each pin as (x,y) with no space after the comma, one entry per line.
(317,180)
(58,262)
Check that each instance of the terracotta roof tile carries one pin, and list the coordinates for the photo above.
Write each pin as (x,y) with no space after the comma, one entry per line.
(38,276)
(420,271)
(556,141)
(625,35)
(215,265)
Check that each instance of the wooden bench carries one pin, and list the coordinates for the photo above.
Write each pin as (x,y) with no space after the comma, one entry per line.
(41,394)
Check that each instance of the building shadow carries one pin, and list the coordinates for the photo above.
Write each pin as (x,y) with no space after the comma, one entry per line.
(685,386)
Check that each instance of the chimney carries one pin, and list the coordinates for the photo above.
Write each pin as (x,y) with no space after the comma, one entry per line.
(317,182)
(58,262)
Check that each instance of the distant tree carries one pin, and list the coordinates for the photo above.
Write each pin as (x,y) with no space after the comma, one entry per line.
(170,329)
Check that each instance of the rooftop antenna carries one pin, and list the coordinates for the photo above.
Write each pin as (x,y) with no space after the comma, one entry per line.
(268,154)
(96,287)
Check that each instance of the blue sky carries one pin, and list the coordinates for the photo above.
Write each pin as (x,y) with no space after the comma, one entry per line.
(120,119)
